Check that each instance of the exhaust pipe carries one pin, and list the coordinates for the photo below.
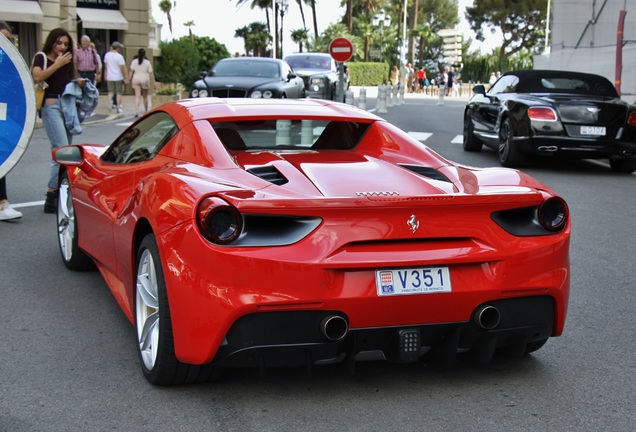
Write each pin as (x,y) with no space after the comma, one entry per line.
(486,317)
(548,148)
(334,327)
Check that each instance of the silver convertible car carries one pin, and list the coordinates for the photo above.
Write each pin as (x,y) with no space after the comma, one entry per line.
(250,77)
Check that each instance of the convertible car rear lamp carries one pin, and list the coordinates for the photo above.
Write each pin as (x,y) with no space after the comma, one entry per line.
(219,222)
(542,114)
(631,120)
(548,218)
(553,214)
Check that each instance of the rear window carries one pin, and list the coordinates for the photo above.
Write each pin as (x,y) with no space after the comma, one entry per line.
(290,134)
(578,85)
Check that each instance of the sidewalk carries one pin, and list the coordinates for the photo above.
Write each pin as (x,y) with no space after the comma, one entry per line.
(103,112)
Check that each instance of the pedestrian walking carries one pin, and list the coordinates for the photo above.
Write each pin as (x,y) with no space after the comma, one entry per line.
(116,74)
(87,61)
(141,75)
(54,64)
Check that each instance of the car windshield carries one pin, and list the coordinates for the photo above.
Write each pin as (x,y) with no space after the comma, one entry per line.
(248,68)
(292,134)
(590,85)
(309,62)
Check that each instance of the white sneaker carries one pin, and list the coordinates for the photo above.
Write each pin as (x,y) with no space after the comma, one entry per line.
(119,110)
(8,213)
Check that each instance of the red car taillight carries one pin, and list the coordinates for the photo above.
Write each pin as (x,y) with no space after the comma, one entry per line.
(553,214)
(542,114)
(631,120)
(219,221)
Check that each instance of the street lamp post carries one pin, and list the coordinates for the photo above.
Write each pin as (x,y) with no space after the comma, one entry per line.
(282,7)
(381,20)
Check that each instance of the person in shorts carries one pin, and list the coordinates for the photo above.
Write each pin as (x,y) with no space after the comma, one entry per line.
(116,73)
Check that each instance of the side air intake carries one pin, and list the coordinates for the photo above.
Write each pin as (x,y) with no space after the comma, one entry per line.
(269,173)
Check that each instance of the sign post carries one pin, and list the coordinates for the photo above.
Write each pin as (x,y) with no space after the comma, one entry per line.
(17,106)
(341,50)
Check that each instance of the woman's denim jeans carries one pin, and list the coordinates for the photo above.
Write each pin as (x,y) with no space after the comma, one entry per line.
(53,121)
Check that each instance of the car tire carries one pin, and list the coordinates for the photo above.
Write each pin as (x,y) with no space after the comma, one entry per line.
(153,324)
(470,142)
(626,166)
(74,258)
(509,155)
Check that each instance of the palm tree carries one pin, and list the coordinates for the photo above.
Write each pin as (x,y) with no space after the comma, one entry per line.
(312,4)
(243,32)
(189,25)
(166,7)
(300,36)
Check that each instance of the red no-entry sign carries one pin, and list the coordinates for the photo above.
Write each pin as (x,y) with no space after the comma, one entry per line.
(341,49)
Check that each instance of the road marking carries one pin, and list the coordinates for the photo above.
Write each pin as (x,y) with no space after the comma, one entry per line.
(420,136)
(459,139)
(28,204)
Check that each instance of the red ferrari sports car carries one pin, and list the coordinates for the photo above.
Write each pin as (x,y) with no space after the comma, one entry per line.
(261,233)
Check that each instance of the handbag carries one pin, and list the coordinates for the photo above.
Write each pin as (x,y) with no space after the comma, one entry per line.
(39,87)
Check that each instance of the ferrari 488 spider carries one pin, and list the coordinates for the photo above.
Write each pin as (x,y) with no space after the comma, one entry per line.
(552,113)
(258,233)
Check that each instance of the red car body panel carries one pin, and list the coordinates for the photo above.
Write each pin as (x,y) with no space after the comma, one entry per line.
(364,200)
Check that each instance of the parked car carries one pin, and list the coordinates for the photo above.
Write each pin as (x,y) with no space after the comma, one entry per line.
(261,233)
(250,77)
(320,74)
(552,113)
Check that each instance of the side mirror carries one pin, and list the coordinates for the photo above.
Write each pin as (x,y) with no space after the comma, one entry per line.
(479,89)
(291,76)
(68,155)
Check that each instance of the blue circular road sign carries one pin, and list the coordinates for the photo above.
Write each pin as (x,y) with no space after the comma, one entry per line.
(17,106)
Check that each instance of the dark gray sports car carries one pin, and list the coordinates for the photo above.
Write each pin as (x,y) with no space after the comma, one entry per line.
(552,113)
(250,77)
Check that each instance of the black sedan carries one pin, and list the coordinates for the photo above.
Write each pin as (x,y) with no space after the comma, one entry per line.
(320,74)
(250,77)
(553,113)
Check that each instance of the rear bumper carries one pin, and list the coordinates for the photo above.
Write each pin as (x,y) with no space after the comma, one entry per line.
(298,338)
(581,149)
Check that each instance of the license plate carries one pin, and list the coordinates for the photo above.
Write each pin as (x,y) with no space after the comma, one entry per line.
(412,281)
(593,130)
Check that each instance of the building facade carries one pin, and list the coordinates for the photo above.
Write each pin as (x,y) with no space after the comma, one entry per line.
(104,21)
(584,36)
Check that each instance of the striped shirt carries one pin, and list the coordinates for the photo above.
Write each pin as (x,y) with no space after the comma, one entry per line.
(87,60)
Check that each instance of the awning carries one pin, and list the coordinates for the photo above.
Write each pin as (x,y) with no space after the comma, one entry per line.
(21,11)
(102,19)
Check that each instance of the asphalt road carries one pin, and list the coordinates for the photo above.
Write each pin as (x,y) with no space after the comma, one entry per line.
(68,359)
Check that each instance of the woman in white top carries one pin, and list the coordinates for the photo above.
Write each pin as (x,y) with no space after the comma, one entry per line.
(140,76)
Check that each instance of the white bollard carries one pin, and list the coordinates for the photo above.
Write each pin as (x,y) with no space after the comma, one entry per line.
(362,101)
(401,95)
(442,90)
(349,97)
(396,88)
(389,95)
(382,93)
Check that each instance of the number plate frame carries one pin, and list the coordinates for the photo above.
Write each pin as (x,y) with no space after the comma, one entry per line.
(593,130)
(410,281)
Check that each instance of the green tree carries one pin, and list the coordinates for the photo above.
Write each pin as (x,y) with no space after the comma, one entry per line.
(520,22)
(256,38)
(300,36)
(210,52)
(189,25)
(179,62)
(166,7)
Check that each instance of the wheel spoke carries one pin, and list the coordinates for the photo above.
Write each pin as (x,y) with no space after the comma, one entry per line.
(66,220)
(147,281)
